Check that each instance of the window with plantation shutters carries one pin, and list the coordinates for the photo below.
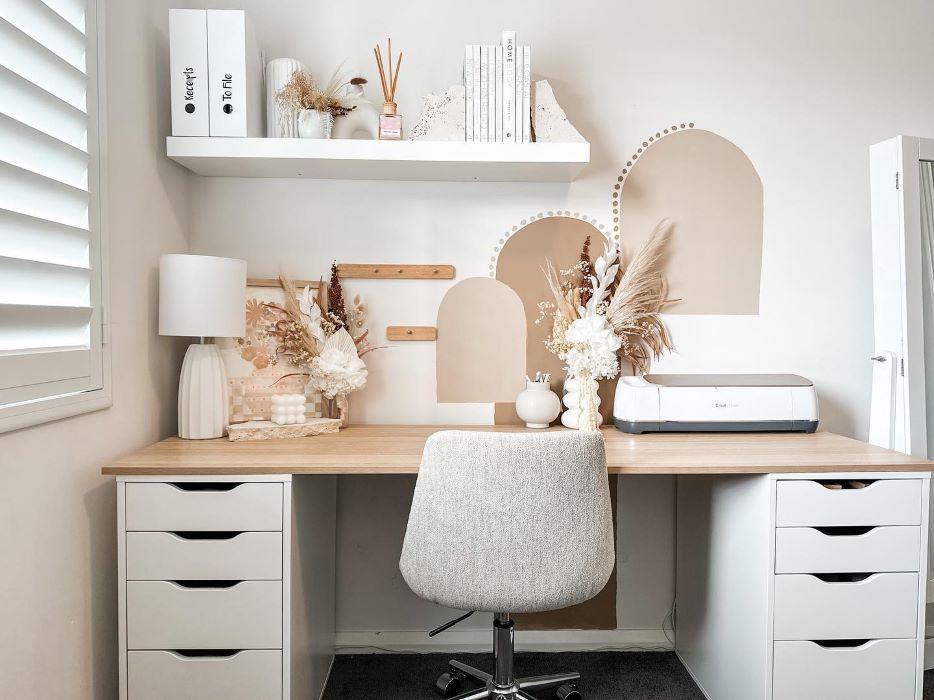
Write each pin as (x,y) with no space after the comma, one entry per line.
(51,349)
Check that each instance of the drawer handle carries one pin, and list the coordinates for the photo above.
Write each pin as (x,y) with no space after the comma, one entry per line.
(209,583)
(844,578)
(845,530)
(205,535)
(841,643)
(207,653)
(845,484)
(205,485)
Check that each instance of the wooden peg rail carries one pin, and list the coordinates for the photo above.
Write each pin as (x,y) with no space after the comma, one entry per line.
(412,333)
(399,272)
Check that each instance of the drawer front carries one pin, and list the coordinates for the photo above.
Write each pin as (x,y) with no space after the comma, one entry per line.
(169,508)
(883,669)
(881,606)
(165,556)
(884,502)
(804,550)
(164,615)
(247,675)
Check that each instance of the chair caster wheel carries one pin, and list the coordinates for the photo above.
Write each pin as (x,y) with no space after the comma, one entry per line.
(568,691)
(449,684)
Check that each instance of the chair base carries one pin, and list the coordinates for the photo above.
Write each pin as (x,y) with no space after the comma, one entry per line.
(502,684)
(521,688)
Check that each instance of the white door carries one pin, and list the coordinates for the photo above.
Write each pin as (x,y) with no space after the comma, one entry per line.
(902,195)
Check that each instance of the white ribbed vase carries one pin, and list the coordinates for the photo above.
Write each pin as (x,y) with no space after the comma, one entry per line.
(202,394)
(280,123)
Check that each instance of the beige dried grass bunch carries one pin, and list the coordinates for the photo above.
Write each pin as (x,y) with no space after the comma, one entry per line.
(641,293)
(303,92)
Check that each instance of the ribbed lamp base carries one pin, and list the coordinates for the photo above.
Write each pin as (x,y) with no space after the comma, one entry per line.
(202,394)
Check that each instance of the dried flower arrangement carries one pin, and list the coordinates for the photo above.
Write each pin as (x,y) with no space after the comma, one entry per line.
(328,348)
(303,92)
(602,312)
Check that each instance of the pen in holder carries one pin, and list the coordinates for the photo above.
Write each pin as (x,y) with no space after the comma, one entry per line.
(390,123)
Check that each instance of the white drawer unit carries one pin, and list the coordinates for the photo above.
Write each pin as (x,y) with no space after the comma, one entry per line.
(811,503)
(807,550)
(235,556)
(880,606)
(166,615)
(169,507)
(212,602)
(166,675)
(883,669)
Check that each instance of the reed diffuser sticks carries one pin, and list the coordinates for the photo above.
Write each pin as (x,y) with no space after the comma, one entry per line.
(390,123)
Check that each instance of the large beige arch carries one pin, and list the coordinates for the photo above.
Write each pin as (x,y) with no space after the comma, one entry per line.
(712,193)
(480,352)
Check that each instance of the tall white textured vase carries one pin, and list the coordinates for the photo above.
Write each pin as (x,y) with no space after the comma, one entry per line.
(202,296)
(280,123)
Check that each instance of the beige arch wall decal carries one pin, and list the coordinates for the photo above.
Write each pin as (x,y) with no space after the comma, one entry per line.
(557,236)
(480,351)
(711,191)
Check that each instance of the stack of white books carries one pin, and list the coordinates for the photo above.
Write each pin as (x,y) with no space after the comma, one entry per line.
(498,88)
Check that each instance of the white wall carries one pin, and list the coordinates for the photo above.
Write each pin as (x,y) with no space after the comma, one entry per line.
(57,513)
(803,88)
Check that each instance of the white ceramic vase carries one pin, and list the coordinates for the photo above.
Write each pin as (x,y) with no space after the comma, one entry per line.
(538,405)
(280,123)
(572,417)
(362,122)
(313,124)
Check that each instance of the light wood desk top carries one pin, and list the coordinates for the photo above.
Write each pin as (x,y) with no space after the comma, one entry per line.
(397,449)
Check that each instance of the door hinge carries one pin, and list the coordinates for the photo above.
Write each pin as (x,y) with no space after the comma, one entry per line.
(901,367)
(896,179)
(105,326)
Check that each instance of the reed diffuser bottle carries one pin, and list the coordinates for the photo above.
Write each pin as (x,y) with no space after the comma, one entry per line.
(390,123)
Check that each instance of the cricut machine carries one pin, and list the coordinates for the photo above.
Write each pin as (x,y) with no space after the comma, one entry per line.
(715,403)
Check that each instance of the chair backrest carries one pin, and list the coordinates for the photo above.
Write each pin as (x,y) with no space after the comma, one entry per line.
(510,522)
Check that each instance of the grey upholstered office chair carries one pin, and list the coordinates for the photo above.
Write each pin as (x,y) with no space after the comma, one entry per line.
(507,523)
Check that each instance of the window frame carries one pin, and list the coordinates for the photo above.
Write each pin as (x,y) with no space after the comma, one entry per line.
(43,410)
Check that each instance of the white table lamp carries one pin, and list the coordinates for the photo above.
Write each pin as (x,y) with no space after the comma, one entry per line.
(202,296)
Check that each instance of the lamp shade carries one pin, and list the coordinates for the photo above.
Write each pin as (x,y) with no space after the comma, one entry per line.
(202,295)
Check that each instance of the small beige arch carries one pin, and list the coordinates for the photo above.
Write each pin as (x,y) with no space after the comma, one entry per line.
(709,188)
(480,353)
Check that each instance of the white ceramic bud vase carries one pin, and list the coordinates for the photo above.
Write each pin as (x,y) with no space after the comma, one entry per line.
(538,405)
(574,416)
(313,124)
(360,123)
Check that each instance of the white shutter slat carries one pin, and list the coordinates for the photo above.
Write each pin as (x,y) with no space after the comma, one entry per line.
(30,238)
(26,57)
(24,327)
(43,284)
(72,11)
(45,26)
(29,369)
(31,150)
(27,193)
(29,104)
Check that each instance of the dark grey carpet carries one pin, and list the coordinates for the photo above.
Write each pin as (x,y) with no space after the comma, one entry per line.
(606,675)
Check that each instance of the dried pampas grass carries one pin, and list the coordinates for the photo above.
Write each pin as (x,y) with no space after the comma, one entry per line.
(303,92)
(641,293)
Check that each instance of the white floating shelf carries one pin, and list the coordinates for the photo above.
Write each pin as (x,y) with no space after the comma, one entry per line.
(334,159)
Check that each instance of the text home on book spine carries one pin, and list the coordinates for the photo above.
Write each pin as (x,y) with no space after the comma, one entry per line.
(509,86)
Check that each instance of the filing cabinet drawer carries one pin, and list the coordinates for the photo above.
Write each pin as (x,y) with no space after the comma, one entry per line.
(166,615)
(164,675)
(884,502)
(177,507)
(880,606)
(883,669)
(166,556)
(805,550)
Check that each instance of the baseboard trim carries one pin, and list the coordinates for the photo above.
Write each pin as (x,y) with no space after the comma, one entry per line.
(480,640)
